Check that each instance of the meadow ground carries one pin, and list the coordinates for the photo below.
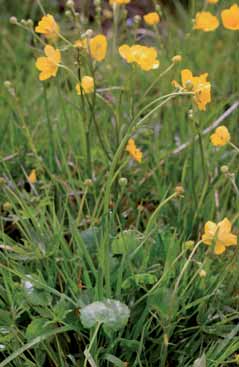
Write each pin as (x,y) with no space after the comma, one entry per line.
(119,185)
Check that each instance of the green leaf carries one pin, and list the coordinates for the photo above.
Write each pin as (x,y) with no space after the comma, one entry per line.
(37,327)
(130,345)
(163,302)
(5,318)
(139,280)
(125,243)
(34,295)
(113,314)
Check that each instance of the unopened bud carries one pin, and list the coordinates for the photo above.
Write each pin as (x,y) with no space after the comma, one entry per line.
(202,273)
(88,182)
(70,4)
(7,206)
(123,181)
(188,245)
(68,13)
(30,23)
(224,169)
(190,114)
(189,85)
(179,190)
(23,22)
(2,181)
(176,59)
(89,33)
(7,84)
(13,20)
(137,19)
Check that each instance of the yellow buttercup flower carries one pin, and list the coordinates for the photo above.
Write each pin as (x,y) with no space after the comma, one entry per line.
(205,21)
(48,65)
(98,47)
(86,86)
(32,178)
(220,235)
(197,84)
(152,18)
(230,18)
(48,26)
(119,2)
(135,153)
(221,136)
(145,57)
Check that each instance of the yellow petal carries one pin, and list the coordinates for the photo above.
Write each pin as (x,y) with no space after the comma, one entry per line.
(219,248)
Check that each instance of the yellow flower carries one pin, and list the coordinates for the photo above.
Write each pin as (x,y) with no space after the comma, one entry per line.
(135,153)
(212,1)
(220,235)
(86,86)
(145,57)
(119,2)
(230,18)
(205,21)
(197,84)
(221,137)
(98,47)
(48,26)
(48,65)
(152,18)
(32,178)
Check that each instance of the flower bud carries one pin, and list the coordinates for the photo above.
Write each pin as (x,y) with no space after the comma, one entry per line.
(189,85)
(7,84)
(123,182)
(190,114)
(224,169)
(188,245)
(88,182)
(89,33)
(176,59)
(30,23)
(137,19)
(13,20)
(2,181)
(202,273)
(179,190)
(7,206)
(70,4)
(68,13)
(23,22)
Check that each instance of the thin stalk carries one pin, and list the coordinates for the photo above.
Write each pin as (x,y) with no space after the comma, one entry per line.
(87,351)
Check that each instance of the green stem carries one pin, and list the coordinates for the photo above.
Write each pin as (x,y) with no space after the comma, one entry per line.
(87,351)
(234,147)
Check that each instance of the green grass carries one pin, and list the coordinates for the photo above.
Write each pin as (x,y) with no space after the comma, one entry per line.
(82,233)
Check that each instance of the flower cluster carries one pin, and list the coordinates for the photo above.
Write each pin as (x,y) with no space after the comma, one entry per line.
(208,22)
(145,57)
